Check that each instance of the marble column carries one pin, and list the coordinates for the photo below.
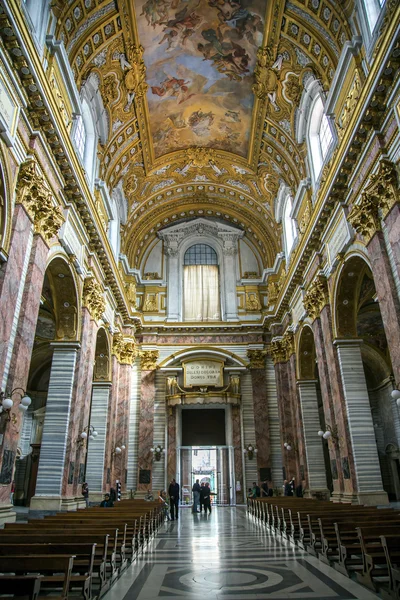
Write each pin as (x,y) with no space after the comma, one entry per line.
(146,425)
(133,428)
(366,459)
(80,411)
(389,303)
(173,299)
(111,442)
(96,449)
(345,449)
(231,309)
(392,222)
(313,443)
(286,426)
(274,425)
(171,443)
(55,429)
(328,404)
(237,454)
(19,351)
(159,431)
(261,418)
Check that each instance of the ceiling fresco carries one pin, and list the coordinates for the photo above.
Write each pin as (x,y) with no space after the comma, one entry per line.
(200,57)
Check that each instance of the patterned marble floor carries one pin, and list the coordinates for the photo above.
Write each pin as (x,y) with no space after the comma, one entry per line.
(228,556)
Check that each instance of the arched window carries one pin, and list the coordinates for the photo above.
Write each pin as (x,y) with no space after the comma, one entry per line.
(289,226)
(85,139)
(80,137)
(201,284)
(320,136)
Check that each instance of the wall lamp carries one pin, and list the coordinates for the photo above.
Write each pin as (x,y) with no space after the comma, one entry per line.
(288,446)
(396,396)
(158,451)
(118,450)
(331,432)
(250,450)
(6,402)
(88,432)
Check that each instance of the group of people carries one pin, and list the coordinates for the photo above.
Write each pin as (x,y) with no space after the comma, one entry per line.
(202,497)
(289,489)
(108,501)
(258,492)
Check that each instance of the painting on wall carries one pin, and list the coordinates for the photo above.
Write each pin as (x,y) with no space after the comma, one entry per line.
(200,57)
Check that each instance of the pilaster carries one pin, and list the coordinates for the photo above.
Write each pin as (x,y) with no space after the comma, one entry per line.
(96,449)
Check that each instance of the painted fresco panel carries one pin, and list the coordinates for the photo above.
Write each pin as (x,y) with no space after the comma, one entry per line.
(200,57)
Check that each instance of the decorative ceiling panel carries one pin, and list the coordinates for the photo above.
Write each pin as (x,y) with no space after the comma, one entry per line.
(200,57)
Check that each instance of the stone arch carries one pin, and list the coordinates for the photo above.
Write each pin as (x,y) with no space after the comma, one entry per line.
(306,354)
(101,371)
(60,282)
(5,205)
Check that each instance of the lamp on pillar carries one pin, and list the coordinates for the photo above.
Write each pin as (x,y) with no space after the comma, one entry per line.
(6,402)
(88,432)
(396,396)
(329,433)
(289,445)
(118,450)
(158,451)
(250,450)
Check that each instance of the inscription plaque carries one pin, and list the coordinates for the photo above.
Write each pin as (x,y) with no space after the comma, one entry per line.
(203,372)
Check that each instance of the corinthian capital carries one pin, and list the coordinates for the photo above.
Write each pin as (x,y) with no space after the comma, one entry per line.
(256,359)
(124,348)
(316,297)
(149,359)
(93,298)
(364,217)
(34,194)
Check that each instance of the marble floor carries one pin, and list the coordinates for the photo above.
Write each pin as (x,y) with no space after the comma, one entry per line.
(228,556)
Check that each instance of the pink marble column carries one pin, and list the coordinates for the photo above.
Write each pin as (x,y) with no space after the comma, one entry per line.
(386,289)
(23,344)
(327,401)
(11,274)
(80,408)
(285,417)
(338,402)
(392,222)
(122,422)
(171,456)
(146,423)
(111,441)
(261,420)
(297,420)
(237,452)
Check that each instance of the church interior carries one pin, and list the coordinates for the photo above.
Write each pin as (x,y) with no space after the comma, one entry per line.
(199,254)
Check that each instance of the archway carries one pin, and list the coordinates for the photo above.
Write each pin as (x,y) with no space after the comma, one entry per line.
(312,407)
(57,321)
(362,346)
(98,416)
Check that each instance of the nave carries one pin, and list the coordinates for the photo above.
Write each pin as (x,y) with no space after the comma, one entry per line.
(228,555)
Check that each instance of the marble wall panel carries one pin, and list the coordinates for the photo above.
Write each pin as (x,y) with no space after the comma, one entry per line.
(285,415)
(297,420)
(109,462)
(171,444)
(146,422)
(261,421)
(237,453)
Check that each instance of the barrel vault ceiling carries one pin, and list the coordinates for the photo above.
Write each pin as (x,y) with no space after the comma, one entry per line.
(201,98)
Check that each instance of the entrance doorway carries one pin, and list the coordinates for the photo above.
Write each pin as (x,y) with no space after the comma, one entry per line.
(212,464)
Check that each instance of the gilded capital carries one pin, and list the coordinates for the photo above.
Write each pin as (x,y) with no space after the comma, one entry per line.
(383,186)
(124,348)
(93,298)
(288,344)
(256,359)
(278,351)
(36,197)
(149,359)
(316,297)
(364,217)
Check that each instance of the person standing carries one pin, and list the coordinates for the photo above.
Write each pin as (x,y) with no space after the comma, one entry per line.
(264,489)
(202,495)
(107,502)
(256,490)
(287,488)
(173,493)
(207,497)
(196,495)
(85,493)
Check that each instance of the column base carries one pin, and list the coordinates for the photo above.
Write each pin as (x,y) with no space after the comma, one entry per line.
(337,497)
(72,504)
(52,503)
(373,498)
(7,514)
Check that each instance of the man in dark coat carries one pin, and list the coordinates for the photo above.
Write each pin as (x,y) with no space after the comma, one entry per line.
(202,496)
(196,495)
(173,492)
(264,489)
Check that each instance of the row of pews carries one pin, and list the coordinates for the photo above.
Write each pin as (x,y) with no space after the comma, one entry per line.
(77,554)
(360,541)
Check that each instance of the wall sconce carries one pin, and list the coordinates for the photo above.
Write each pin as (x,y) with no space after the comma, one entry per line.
(158,451)
(88,432)
(396,396)
(250,450)
(118,450)
(331,432)
(288,446)
(6,402)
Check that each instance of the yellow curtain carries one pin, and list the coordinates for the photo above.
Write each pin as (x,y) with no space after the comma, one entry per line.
(201,293)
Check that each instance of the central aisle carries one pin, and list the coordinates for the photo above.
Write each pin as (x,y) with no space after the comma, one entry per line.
(228,556)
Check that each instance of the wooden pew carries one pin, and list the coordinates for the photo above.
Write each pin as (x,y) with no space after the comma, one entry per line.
(374,561)
(23,585)
(56,571)
(391,547)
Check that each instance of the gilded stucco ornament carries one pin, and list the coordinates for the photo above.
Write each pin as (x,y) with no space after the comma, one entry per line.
(124,348)
(364,217)
(149,359)
(135,76)
(265,78)
(252,301)
(278,351)
(273,292)
(33,193)
(93,298)
(288,344)
(200,157)
(316,297)
(256,359)
(130,289)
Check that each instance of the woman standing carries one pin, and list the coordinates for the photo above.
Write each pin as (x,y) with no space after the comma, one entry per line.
(85,493)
